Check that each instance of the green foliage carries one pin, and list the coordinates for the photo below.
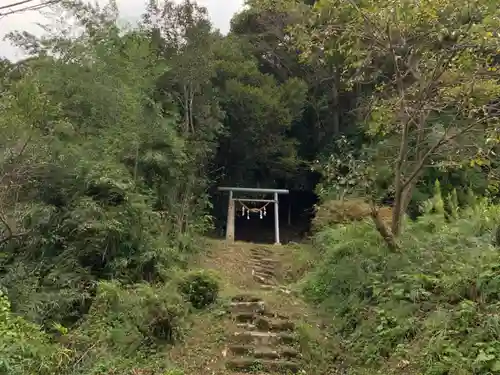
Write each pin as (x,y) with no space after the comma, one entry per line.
(135,315)
(438,202)
(426,78)
(127,328)
(259,113)
(174,372)
(111,138)
(430,308)
(107,200)
(101,197)
(201,288)
(125,331)
(24,347)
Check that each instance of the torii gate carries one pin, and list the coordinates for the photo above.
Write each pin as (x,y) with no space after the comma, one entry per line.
(231,211)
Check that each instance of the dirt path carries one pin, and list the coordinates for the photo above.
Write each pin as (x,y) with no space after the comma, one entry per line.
(255,329)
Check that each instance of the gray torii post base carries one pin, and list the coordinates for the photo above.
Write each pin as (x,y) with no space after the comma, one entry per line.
(231,212)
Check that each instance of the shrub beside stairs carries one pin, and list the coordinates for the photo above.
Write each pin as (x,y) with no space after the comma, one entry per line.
(264,340)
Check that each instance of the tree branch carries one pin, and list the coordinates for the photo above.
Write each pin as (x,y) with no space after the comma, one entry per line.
(442,141)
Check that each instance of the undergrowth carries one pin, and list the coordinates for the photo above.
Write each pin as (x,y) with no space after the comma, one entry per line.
(431,309)
(127,331)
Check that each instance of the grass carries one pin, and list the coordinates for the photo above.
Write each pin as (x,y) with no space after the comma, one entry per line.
(152,329)
(431,309)
(204,348)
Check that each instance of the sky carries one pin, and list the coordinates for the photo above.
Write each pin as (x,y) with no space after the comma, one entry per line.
(221,12)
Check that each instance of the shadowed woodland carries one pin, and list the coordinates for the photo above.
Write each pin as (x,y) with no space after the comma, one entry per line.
(380,117)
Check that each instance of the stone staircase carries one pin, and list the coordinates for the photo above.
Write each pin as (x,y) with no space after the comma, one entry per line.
(264,341)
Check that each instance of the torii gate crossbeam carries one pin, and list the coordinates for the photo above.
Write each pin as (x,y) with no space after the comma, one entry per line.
(231,212)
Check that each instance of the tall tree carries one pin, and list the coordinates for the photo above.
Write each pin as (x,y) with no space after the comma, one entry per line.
(183,37)
(258,147)
(437,81)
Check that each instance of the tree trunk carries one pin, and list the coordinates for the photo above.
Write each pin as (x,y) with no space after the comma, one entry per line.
(383,229)
(397,210)
(136,163)
(336,102)
(191,112)
(399,184)
(186,110)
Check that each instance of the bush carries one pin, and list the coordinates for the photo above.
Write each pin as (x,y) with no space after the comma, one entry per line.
(440,291)
(24,348)
(145,314)
(127,327)
(333,212)
(201,288)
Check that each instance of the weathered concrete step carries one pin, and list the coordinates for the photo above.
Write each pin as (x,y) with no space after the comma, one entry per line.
(268,262)
(267,322)
(261,250)
(285,352)
(246,298)
(247,326)
(271,273)
(276,288)
(274,325)
(270,314)
(245,317)
(263,275)
(264,338)
(264,258)
(263,279)
(254,364)
(249,316)
(264,271)
(249,307)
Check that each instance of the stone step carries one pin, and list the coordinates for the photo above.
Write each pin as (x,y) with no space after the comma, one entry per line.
(246,298)
(264,268)
(265,322)
(271,280)
(268,287)
(264,338)
(275,288)
(273,315)
(274,325)
(261,250)
(285,352)
(245,317)
(263,279)
(267,260)
(263,271)
(249,307)
(254,364)
(264,258)
(247,326)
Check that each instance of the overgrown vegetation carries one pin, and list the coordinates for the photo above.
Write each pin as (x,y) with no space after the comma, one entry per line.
(113,137)
(101,199)
(429,309)
(200,288)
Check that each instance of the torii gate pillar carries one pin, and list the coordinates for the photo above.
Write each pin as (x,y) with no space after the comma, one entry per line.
(230,218)
(231,208)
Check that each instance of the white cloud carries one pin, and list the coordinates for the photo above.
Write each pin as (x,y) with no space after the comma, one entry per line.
(221,12)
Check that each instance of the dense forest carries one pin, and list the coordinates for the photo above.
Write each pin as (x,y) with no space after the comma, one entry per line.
(114,139)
